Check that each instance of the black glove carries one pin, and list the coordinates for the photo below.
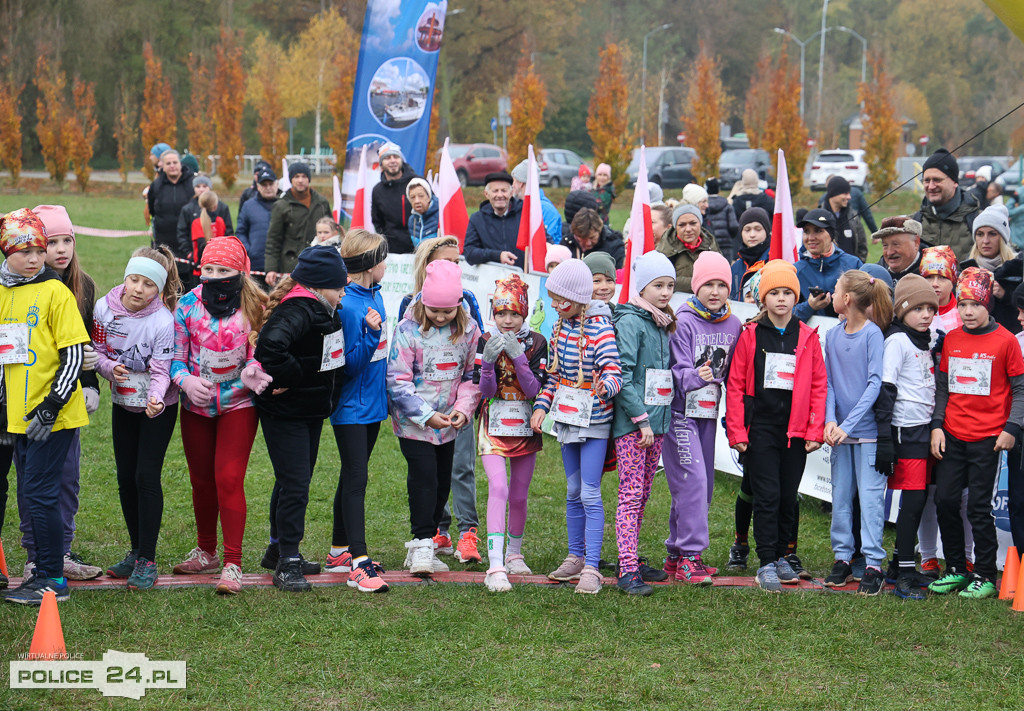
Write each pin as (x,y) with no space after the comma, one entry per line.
(40,421)
(885,456)
(6,438)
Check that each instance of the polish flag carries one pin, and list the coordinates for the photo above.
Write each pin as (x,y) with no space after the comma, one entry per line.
(532,238)
(452,216)
(336,210)
(641,232)
(284,183)
(785,242)
(361,204)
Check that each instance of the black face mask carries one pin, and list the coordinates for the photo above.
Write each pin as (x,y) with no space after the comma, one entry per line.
(222,297)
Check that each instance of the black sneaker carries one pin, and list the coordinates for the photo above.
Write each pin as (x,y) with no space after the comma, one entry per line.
(798,567)
(633,584)
(603,564)
(893,572)
(738,555)
(840,575)
(288,576)
(651,575)
(4,582)
(907,587)
(270,558)
(32,591)
(871,583)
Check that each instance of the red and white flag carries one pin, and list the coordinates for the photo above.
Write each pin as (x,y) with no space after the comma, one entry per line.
(336,209)
(641,231)
(361,204)
(452,216)
(532,238)
(785,241)
(285,182)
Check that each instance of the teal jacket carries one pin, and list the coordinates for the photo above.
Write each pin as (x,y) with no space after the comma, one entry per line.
(642,345)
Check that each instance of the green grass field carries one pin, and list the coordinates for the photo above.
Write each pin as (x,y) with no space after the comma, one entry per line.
(458,647)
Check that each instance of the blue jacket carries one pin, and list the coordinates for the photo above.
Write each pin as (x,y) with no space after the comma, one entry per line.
(822,273)
(488,235)
(253,221)
(551,218)
(424,226)
(364,398)
(739,268)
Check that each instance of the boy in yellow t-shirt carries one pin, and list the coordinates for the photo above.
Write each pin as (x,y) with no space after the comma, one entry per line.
(41,349)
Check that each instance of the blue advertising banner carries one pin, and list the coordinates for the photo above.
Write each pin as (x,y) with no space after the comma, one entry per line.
(394,84)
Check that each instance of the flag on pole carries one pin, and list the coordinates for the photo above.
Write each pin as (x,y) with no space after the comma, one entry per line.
(452,216)
(641,231)
(285,182)
(785,242)
(336,209)
(361,206)
(532,238)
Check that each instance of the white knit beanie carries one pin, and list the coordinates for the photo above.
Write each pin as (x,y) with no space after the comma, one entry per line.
(651,266)
(693,194)
(997,217)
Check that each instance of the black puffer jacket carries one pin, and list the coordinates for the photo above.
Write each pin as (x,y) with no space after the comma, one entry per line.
(610,242)
(721,218)
(290,347)
(165,201)
(488,235)
(574,202)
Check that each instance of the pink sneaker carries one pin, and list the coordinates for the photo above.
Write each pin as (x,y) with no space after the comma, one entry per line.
(671,565)
(230,580)
(691,571)
(367,578)
(341,563)
(198,562)
(707,568)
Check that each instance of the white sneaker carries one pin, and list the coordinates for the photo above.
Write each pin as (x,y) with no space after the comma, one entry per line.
(497,581)
(420,558)
(76,569)
(439,565)
(516,565)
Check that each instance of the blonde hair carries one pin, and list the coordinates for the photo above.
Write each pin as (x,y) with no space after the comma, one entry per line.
(870,295)
(581,343)
(280,291)
(459,323)
(424,255)
(1006,252)
(329,221)
(254,303)
(163,256)
(207,201)
(359,241)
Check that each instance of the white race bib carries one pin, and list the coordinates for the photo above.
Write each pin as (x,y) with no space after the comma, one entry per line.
(133,392)
(924,361)
(509,418)
(658,387)
(334,351)
(779,370)
(13,343)
(221,366)
(703,403)
(382,345)
(442,363)
(571,406)
(970,376)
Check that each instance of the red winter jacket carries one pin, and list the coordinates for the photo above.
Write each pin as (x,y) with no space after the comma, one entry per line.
(810,387)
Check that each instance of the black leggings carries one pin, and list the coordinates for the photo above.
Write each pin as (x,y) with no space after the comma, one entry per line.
(355,445)
(140,443)
(429,482)
(907,522)
(6,457)
(293,446)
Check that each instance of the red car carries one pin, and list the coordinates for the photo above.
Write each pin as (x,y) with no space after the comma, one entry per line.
(473,161)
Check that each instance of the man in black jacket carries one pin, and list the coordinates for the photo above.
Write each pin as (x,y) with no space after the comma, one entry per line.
(494,229)
(253,190)
(850,235)
(168,193)
(389,207)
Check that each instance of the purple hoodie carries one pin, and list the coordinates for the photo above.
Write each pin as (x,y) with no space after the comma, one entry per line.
(695,342)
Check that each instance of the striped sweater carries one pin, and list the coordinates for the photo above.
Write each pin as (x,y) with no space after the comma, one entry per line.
(600,355)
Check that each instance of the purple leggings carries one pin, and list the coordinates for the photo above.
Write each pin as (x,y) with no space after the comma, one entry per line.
(636,475)
(511,491)
(584,510)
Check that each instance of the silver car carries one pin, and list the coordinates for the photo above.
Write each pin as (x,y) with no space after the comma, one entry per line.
(558,166)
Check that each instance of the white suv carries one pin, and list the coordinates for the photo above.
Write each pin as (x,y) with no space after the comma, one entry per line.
(849,164)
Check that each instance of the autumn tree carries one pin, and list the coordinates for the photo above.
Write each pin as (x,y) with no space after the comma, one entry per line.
(263,93)
(882,127)
(158,121)
(55,124)
(529,97)
(125,132)
(199,114)
(10,128)
(759,101)
(83,130)
(607,121)
(227,101)
(705,109)
(339,102)
(784,128)
(433,143)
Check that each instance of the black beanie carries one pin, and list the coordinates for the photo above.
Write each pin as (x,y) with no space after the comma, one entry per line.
(298,168)
(756,214)
(945,161)
(836,185)
(321,267)
(712,186)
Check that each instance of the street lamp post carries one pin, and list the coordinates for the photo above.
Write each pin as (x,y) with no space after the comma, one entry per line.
(643,78)
(864,52)
(821,64)
(803,45)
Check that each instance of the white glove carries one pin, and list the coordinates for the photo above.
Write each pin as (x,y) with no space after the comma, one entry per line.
(92,399)
(255,379)
(89,358)
(513,347)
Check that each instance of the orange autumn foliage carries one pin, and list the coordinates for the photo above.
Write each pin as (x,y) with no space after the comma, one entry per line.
(433,144)
(199,116)
(784,128)
(529,97)
(759,101)
(10,129)
(882,128)
(264,94)
(125,133)
(226,102)
(55,122)
(607,120)
(158,122)
(83,130)
(705,109)
(339,104)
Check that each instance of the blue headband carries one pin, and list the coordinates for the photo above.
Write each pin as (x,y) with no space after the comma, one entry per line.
(149,268)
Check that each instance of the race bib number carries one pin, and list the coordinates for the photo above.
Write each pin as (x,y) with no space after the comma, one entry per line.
(970,376)
(382,346)
(658,387)
(133,392)
(13,343)
(779,370)
(924,361)
(334,351)
(221,366)
(442,363)
(571,406)
(703,403)
(509,418)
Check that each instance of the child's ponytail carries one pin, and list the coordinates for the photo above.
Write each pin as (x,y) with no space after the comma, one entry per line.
(165,257)
(870,295)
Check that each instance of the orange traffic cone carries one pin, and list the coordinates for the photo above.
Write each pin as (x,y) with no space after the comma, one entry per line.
(48,639)
(1011,570)
(1018,598)
(3,560)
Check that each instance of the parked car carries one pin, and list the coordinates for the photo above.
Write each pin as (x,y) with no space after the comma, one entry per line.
(473,161)
(668,166)
(733,162)
(740,140)
(1010,180)
(847,163)
(558,166)
(970,164)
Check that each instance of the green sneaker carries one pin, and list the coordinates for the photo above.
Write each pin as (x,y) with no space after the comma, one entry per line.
(950,582)
(978,589)
(144,576)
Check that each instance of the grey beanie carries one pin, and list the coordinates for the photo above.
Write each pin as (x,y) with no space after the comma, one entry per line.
(520,172)
(202,180)
(684,209)
(997,217)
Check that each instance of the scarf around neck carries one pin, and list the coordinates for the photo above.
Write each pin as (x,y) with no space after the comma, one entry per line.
(12,279)
(661,319)
(702,311)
